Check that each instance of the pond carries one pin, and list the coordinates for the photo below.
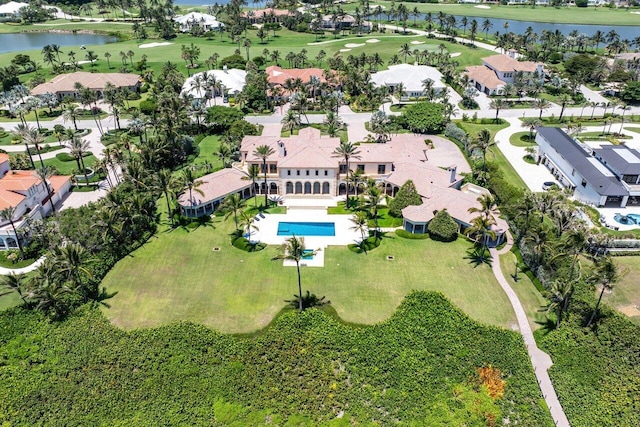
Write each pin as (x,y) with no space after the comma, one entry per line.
(19,42)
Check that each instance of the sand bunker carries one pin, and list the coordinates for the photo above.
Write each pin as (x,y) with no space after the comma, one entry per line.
(372,41)
(352,45)
(345,50)
(483,7)
(155,44)
(417,42)
(454,54)
(631,311)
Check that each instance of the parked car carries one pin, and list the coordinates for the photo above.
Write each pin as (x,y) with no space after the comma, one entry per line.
(549,185)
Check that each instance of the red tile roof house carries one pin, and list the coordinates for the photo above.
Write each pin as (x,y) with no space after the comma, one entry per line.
(277,76)
(260,16)
(27,193)
(304,166)
(500,70)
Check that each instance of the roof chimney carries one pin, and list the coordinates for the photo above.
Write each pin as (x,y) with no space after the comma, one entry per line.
(452,173)
(282,150)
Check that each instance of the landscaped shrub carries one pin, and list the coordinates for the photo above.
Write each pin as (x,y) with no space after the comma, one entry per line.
(442,227)
(246,245)
(424,117)
(369,244)
(407,195)
(415,236)
(66,157)
(453,131)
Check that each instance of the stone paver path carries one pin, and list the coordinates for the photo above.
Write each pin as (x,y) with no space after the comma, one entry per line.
(7,271)
(539,359)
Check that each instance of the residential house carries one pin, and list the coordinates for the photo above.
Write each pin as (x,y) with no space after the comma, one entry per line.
(277,76)
(27,194)
(230,81)
(64,85)
(411,78)
(592,181)
(268,15)
(11,9)
(196,19)
(344,22)
(213,190)
(499,70)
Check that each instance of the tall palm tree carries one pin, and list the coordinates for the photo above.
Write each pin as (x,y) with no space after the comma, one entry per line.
(71,113)
(605,273)
(359,221)
(346,150)
(559,295)
(165,183)
(488,206)
(14,283)
(374,197)
(248,223)
(290,121)
(233,204)
(78,148)
(481,228)
(293,249)
(253,173)
(498,104)
(7,214)
(263,152)
(45,173)
(482,142)
(190,183)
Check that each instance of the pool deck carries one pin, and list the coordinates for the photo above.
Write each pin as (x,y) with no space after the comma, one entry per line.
(609,214)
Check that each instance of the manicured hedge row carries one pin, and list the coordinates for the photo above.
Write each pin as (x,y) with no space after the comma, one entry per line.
(406,235)
(418,368)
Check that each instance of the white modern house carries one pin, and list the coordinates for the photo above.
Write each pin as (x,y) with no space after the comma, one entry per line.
(410,77)
(588,173)
(197,19)
(499,70)
(229,81)
(11,9)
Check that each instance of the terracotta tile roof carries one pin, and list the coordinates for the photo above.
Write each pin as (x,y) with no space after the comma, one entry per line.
(307,137)
(506,63)
(9,199)
(58,181)
(484,76)
(95,81)
(277,75)
(308,157)
(19,180)
(216,185)
(427,178)
(259,13)
(4,157)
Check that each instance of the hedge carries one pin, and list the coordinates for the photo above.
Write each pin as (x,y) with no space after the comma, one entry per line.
(406,235)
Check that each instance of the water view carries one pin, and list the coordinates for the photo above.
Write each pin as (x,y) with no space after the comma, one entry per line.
(29,41)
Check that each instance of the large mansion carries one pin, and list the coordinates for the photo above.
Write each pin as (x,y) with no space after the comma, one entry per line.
(64,85)
(499,70)
(306,165)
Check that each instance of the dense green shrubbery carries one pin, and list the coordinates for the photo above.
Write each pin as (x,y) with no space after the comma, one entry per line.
(407,195)
(415,236)
(418,367)
(442,227)
(246,245)
(424,117)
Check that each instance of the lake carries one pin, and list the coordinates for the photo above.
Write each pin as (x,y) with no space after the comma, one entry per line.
(19,42)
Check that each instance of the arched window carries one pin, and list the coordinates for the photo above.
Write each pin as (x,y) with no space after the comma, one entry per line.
(298,187)
(289,187)
(307,188)
(326,188)
(316,188)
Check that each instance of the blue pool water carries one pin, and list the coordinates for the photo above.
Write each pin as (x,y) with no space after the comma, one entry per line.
(628,219)
(307,254)
(306,229)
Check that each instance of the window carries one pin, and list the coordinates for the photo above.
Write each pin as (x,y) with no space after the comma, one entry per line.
(584,183)
(382,169)
(273,168)
(289,172)
(298,173)
(361,168)
(307,172)
(326,173)
(317,172)
(573,172)
(343,168)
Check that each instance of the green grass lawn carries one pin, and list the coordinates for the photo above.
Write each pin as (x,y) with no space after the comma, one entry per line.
(68,168)
(530,298)
(180,277)
(626,293)
(521,139)
(209,146)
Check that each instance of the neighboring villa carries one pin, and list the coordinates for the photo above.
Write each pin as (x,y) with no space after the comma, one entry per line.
(411,77)
(197,19)
(277,76)
(11,9)
(64,85)
(500,70)
(27,193)
(345,22)
(269,15)
(305,165)
(230,82)
(605,177)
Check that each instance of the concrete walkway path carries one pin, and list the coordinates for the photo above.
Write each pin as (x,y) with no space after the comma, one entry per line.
(539,359)
(7,271)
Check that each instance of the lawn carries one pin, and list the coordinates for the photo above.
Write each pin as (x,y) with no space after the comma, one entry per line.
(70,167)
(180,277)
(626,293)
(209,146)
(521,139)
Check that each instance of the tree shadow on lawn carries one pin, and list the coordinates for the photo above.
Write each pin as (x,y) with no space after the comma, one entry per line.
(478,256)
(188,224)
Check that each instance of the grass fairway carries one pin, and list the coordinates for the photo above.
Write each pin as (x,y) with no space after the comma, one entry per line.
(179,277)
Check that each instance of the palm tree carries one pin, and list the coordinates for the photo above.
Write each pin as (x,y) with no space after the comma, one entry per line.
(7,214)
(71,264)
(190,183)
(13,283)
(482,142)
(374,197)
(165,183)
(263,152)
(290,121)
(498,104)
(405,51)
(488,207)
(253,173)
(233,204)
(564,101)
(605,273)
(248,222)
(107,56)
(359,221)
(346,150)
(45,173)
(481,228)
(293,249)
(78,147)
(540,104)
(71,113)
(559,295)
(532,123)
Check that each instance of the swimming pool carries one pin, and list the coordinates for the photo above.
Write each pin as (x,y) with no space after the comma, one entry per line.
(306,228)
(628,219)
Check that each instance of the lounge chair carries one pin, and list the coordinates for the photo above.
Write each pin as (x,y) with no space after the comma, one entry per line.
(257,218)
(261,215)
